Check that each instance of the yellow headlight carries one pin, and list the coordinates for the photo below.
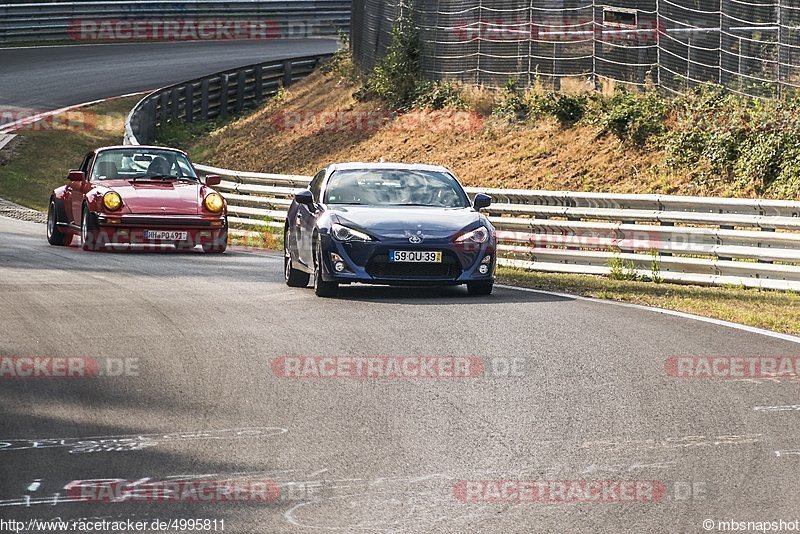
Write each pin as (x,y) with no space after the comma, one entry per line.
(214,202)
(112,201)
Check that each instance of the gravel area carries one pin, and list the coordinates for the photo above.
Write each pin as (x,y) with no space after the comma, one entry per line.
(15,211)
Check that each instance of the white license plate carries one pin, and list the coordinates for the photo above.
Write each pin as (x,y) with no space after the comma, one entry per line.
(414,256)
(165,235)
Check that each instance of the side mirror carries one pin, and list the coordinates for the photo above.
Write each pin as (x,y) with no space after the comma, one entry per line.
(76,176)
(481,201)
(304,197)
(213,179)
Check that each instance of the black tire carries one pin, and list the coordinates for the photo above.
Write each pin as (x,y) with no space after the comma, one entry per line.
(54,236)
(480,288)
(89,230)
(321,287)
(221,245)
(293,277)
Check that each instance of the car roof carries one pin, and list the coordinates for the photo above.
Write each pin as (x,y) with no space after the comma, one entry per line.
(355,165)
(139,147)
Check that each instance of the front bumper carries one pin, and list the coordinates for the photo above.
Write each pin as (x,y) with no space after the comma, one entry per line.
(129,229)
(368,262)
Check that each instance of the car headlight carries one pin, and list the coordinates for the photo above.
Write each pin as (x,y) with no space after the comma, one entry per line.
(214,202)
(343,233)
(112,201)
(479,235)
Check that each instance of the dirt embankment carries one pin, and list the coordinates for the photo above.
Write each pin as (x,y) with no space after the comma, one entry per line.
(288,136)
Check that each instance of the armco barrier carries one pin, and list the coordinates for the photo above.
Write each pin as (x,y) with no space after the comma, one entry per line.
(214,96)
(47,21)
(697,240)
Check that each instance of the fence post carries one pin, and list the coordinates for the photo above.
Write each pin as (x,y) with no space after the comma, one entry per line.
(174,97)
(287,72)
(151,121)
(783,52)
(595,78)
(240,82)
(223,97)
(258,73)
(164,104)
(189,102)
(480,40)
(204,99)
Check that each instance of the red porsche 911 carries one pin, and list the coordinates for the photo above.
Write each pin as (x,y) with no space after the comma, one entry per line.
(138,195)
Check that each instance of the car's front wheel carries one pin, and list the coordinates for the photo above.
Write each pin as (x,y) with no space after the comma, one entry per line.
(480,288)
(89,230)
(321,287)
(54,236)
(292,276)
(220,244)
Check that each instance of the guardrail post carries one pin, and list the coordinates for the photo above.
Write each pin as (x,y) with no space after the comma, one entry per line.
(189,102)
(767,230)
(164,104)
(240,82)
(150,132)
(173,115)
(204,99)
(258,72)
(223,96)
(287,72)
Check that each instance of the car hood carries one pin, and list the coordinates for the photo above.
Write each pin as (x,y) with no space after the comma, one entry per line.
(402,221)
(174,198)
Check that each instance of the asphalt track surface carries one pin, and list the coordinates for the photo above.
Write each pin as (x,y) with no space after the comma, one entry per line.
(591,402)
(49,78)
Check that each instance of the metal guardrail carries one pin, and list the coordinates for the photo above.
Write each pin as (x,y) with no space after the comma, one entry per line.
(696,240)
(57,20)
(214,96)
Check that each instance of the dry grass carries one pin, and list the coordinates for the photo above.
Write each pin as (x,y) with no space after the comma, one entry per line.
(43,157)
(772,310)
(494,154)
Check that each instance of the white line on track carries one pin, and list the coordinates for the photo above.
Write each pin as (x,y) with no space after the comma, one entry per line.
(683,315)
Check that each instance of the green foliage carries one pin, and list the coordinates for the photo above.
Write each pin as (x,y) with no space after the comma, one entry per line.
(655,267)
(622,269)
(632,117)
(754,144)
(566,108)
(438,95)
(341,64)
(398,74)
(511,103)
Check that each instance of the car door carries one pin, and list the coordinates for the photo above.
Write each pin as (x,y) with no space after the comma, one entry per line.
(75,191)
(306,220)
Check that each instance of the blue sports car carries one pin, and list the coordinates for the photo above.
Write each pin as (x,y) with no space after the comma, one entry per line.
(388,223)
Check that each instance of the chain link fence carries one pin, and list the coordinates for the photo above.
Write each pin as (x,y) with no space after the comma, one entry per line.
(752,47)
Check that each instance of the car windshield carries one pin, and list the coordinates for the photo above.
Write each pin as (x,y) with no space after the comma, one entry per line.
(395,187)
(142,164)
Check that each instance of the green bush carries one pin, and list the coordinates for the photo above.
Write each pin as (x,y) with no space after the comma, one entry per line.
(398,74)
(753,144)
(511,103)
(438,95)
(632,117)
(567,109)
(342,63)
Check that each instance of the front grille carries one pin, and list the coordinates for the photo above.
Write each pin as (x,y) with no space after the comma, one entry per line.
(379,267)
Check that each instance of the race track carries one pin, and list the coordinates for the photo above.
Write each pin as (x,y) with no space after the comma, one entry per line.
(49,78)
(591,401)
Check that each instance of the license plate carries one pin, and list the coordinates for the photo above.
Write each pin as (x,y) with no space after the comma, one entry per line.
(414,256)
(165,235)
